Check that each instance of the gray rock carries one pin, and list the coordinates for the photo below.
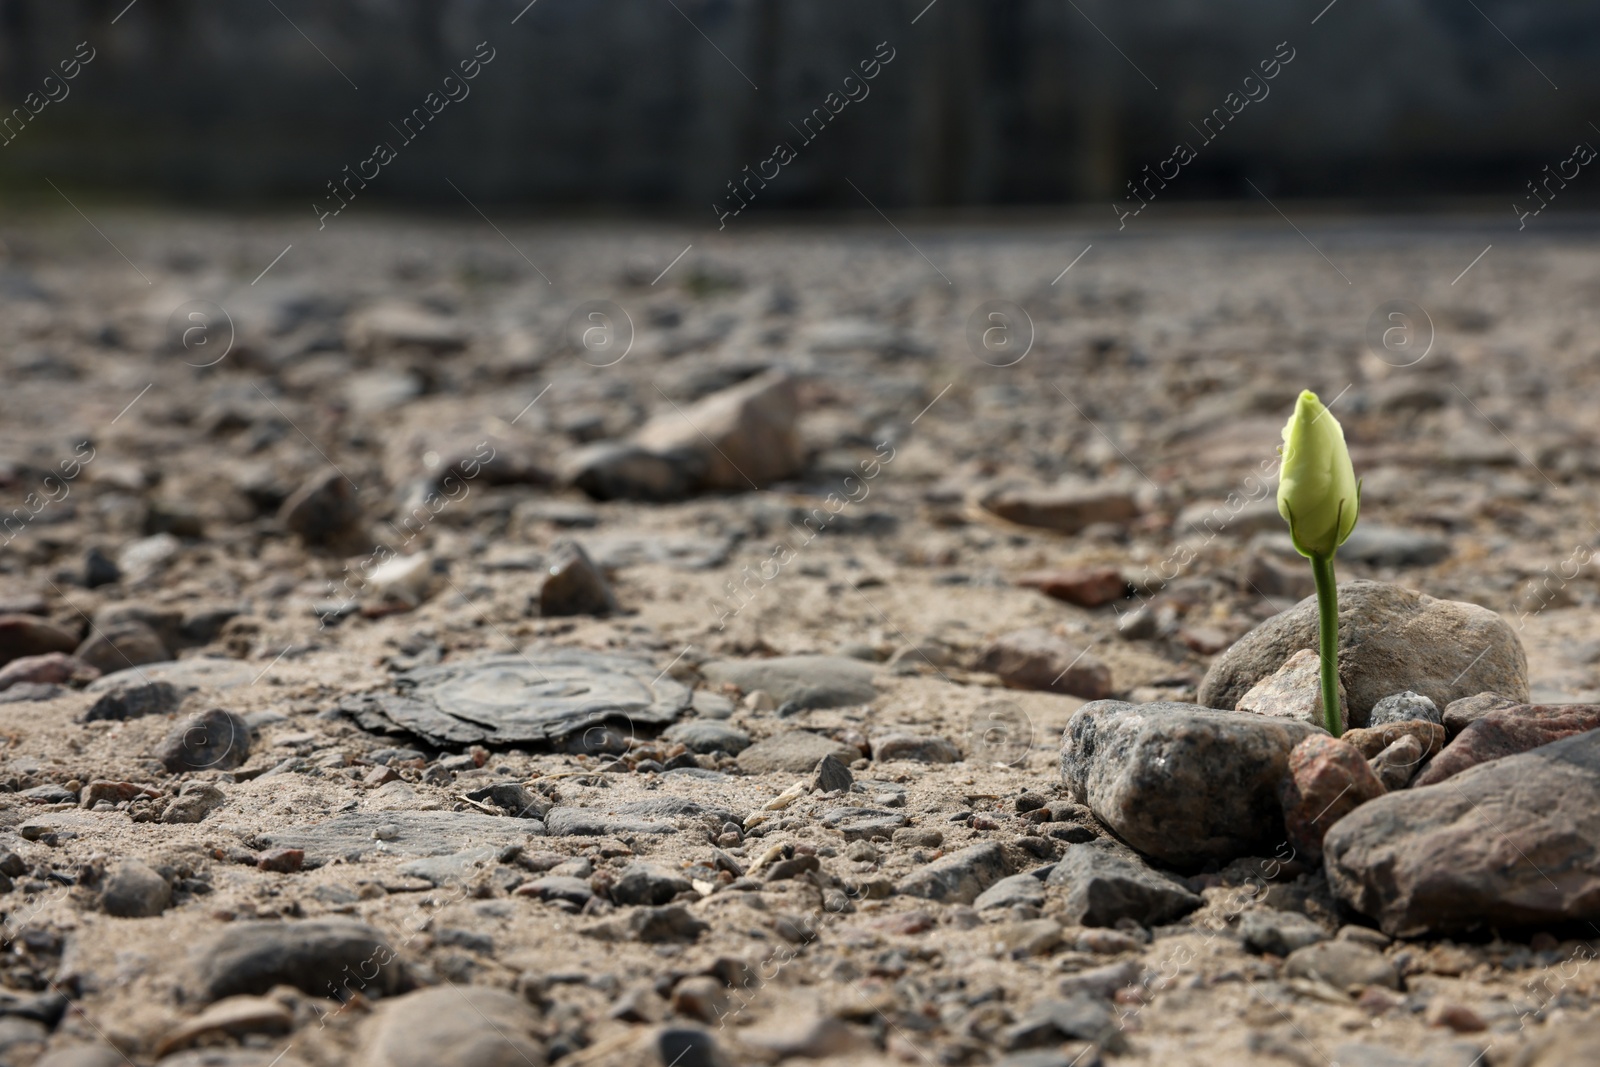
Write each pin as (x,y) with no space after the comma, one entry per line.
(19,1036)
(514,798)
(1278,932)
(1179,782)
(1009,892)
(212,740)
(808,681)
(1390,639)
(1400,707)
(863,824)
(118,646)
(1398,762)
(24,692)
(1390,546)
(331,958)
(1439,1054)
(49,793)
(737,439)
(198,672)
(404,833)
(1341,964)
(456,867)
(708,737)
(563,887)
(959,877)
(541,695)
(646,883)
(83,1056)
(709,705)
(135,697)
(455,1026)
(1512,841)
(636,817)
(231,1057)
(324,512)
(195,800)
(1049,1022)
(831,776)
(1062,1056)
(1036,658)
(165,622)
(663,925)
(573,585)
(1569,1043)
(914,747)
(795,752)
(619,470)
(135,891)
(1105,884)
(1103,981)
(686,1046)
(583,822)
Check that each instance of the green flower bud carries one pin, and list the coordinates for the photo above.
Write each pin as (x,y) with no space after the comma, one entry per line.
(1317,489)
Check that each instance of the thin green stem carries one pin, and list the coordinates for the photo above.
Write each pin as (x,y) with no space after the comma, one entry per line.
(1328,640)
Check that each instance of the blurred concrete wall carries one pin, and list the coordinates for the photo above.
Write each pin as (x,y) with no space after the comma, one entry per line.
(651,102)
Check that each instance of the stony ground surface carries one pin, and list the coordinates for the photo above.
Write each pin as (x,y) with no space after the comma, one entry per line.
(226,491)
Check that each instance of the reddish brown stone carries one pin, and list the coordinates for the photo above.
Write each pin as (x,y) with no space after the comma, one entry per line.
(1066,509)
(1087,587)
(1458,1017)
(1371,740)
(1327,779)
(29,635)
(50,668)
(281,860)
(380,776)
(116,792)
(1206,640)
(1507,732)
(1459,714)
(1038,659)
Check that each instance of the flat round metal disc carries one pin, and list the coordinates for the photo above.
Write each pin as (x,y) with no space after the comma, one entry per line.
(540,695)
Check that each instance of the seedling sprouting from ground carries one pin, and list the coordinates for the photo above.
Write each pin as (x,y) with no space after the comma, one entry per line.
(1319,497)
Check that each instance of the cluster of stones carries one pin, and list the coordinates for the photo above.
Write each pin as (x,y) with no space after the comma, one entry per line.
(1426,822)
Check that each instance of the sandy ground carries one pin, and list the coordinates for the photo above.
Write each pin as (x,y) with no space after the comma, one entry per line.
(1166,359)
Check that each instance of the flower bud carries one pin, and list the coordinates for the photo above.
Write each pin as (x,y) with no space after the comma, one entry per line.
(1317,489)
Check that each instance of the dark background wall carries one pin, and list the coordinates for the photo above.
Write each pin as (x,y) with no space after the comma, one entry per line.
(625,103)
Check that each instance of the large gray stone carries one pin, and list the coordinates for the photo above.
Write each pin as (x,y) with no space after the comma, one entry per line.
(215,739)
(1278,932)
(540,695)
(740,438)
(134,891)
(1391,639)
(1179,782)
(455,1026)
(403,833)
(1341,964)
(796,751)
(708,736)
(199,672)
(959,877)
(331,958)
(1513,841)
(808,681)
(1104,884)
(1009,892)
